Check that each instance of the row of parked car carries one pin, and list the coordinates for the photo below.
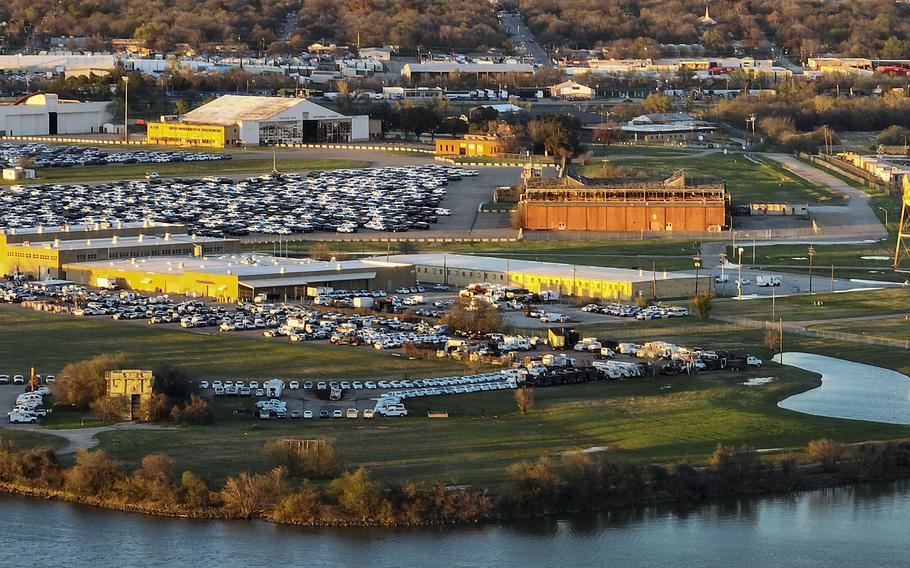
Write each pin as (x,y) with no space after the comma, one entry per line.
(43,156)
(639,313)
(382,199)
(29,407)
(391,403)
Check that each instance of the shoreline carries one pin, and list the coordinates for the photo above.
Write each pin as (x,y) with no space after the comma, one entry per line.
(816,481)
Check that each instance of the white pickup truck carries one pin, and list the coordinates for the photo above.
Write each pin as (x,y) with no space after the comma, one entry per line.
(767,281)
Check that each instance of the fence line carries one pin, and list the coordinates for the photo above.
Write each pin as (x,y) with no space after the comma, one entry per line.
(818,333)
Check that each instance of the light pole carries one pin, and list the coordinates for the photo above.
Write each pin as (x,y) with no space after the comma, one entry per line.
(885,211)
(739,281)
(126,103)
(811,256)
(697,260)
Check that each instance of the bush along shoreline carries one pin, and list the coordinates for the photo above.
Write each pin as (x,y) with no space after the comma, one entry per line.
(573,483)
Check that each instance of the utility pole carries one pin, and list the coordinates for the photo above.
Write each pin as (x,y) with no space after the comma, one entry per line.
(811,256)
(739,281)
(126,106)
(654,280)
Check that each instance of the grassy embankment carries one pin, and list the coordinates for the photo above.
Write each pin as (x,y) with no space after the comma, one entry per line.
(821,306)
(747,181)
(662,419)
(187,169)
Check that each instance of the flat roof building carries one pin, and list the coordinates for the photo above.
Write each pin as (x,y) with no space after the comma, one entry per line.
(259,121)
(43,114)
(229,277)
(575,203)
(420,71)
(594,282)
(43,252)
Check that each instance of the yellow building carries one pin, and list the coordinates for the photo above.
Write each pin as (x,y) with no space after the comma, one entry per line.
(231,277)
(595,282)
(188,134)
(134,386)
(42,252)
(470,145)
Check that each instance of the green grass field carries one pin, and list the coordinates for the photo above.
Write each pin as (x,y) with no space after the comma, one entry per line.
(746,181)
(664,419)
(891,328)
(49,342)
(29,439)
(832,306)
(189,169)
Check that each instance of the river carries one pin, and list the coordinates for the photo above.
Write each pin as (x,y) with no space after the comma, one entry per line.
(855,526)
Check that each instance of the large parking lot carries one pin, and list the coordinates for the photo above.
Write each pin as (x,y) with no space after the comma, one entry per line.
(43,156)
(393,199)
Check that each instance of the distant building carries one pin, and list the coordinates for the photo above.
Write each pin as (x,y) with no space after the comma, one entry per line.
(666,126)
(581,281)
(571,90)
(576,203)
(135,386)
(46,114)
(426,71)
(383,53)
(470,145)
(259,121)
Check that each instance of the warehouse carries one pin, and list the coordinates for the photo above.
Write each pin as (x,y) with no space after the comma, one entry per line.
(419,72)
(44,252)
(574,203)
(229,277)
(258,121)
(593,282)
(46,114)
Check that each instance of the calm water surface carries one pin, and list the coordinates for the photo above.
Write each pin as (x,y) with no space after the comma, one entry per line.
(850,390)
(862,526)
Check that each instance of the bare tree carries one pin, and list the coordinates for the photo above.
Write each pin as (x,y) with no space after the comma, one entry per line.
(827,452)
(524,398)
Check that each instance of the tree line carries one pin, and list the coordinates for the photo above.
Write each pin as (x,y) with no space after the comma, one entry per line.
(573,482)
(634,28)
(160,24)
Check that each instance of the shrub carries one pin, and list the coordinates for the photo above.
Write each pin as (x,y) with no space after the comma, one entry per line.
(826,452)
(193,490)
(196,411)
(524,399)
(111,408)
(360,496)
(248,496)
(303,506)
(94,474)
(531,488)
(702,304)
(308,460)
(80,384)
(473,316)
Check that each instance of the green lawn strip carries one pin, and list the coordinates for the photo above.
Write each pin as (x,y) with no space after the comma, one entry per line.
(844,258)
(187,169)
(49,342)
(747,181)
(820,306)
(30,439)
(64,418)
(897,327)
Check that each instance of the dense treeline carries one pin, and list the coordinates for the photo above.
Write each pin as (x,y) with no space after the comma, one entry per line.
(575,482)
(458,24)
(850,27)
(162,24)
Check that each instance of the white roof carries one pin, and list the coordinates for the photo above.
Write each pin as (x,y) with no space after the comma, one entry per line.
(515,266)
(234,109)
(445,67)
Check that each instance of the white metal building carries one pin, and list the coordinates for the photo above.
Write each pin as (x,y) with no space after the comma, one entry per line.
(45,114)
(268,121)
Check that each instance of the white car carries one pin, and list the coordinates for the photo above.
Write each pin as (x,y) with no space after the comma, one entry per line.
(307,413)
(743,282)
(294,385)
(203,384)
(753,361)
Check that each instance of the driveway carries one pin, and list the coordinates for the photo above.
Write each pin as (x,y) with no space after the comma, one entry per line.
(79,438)
(856,219)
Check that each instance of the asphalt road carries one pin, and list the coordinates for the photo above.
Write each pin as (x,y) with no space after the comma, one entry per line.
(523,40)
